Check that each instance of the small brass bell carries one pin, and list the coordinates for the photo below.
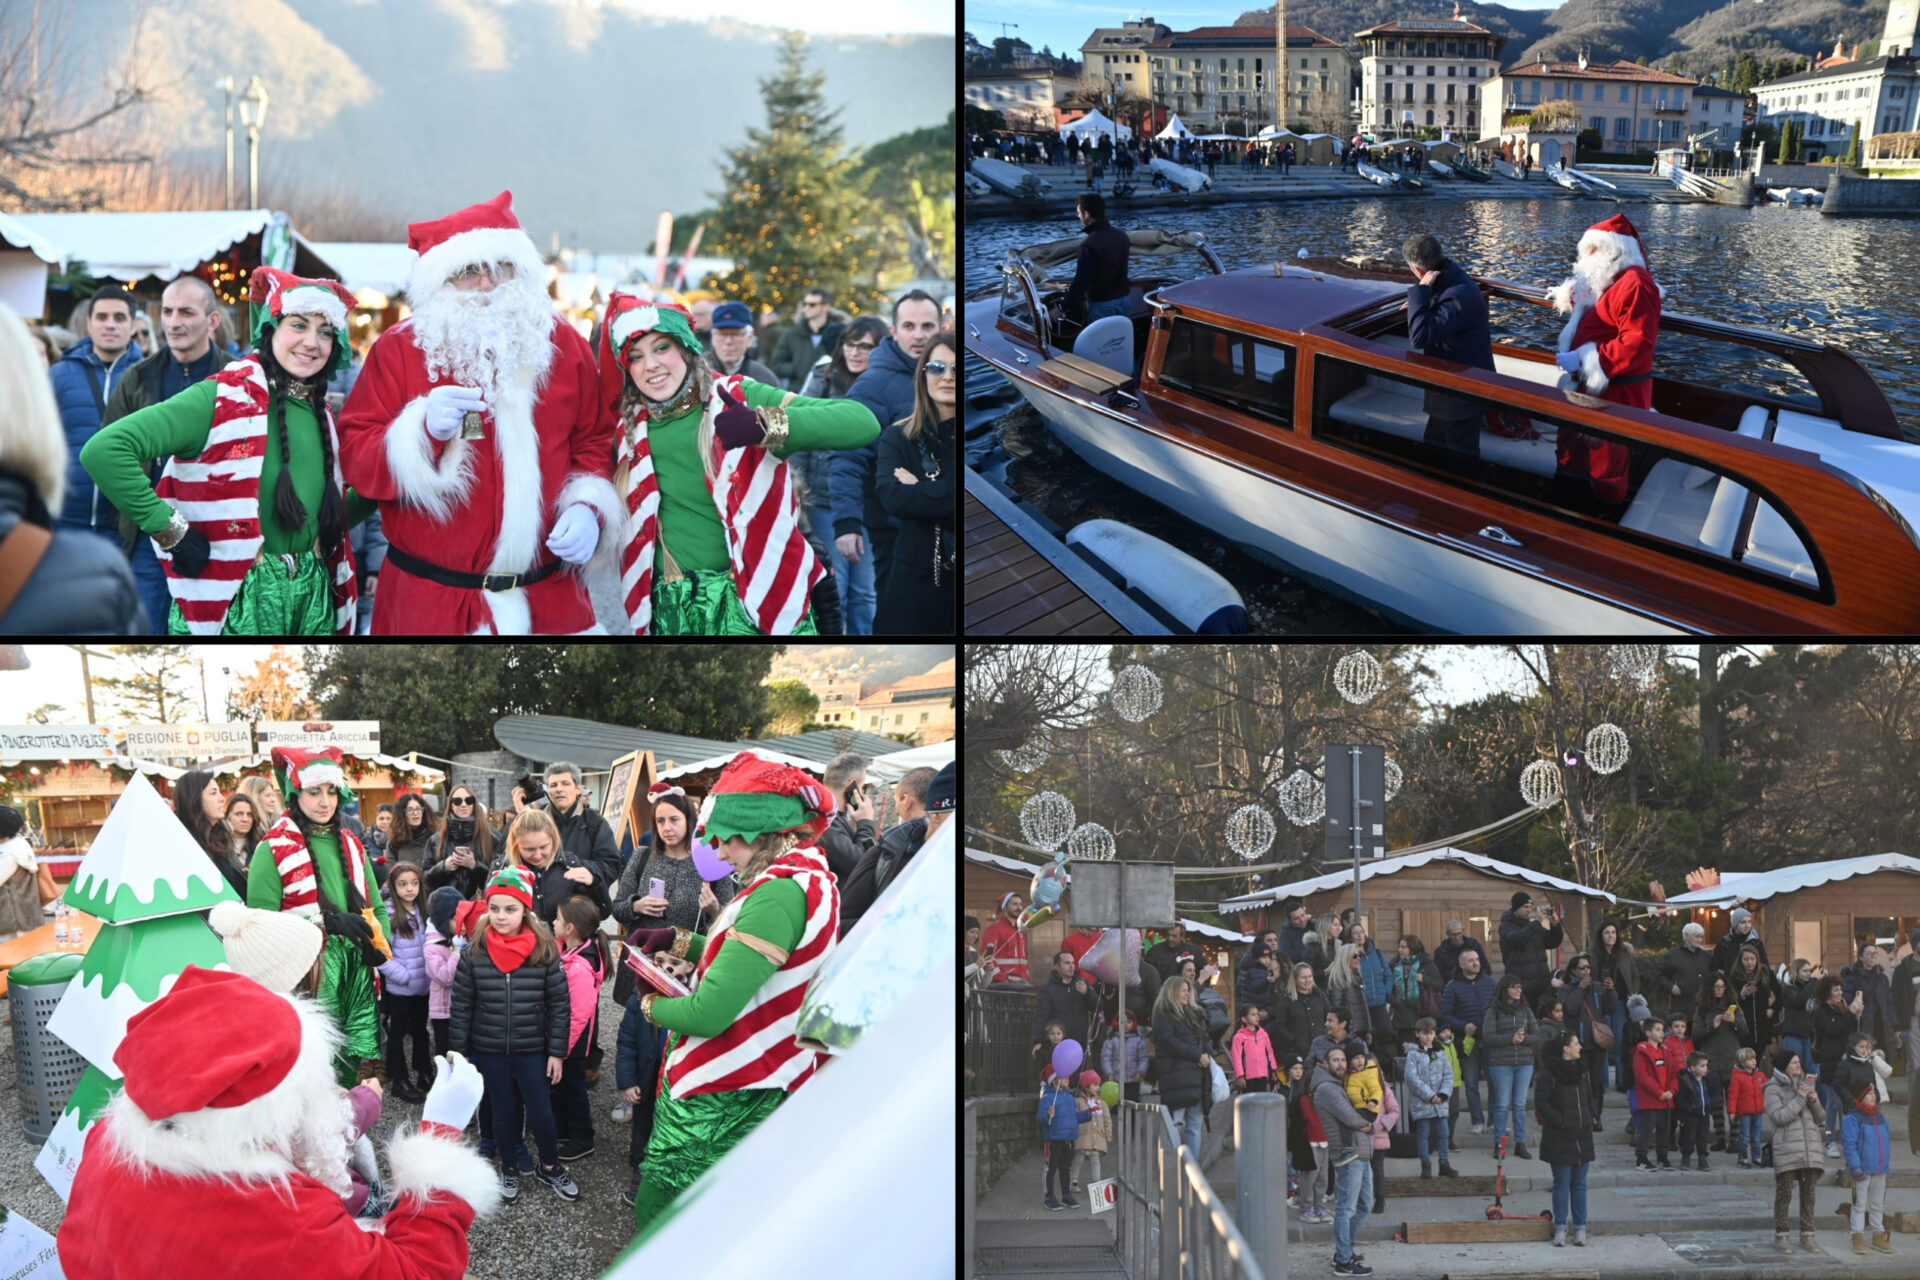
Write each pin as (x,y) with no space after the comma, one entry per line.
(471,428)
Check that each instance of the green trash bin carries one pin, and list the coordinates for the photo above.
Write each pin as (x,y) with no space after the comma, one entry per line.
(46,1067)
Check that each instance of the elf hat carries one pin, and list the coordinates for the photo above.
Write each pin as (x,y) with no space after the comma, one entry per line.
(300,768)
(515,883)
(754,796)
(276,294)
(629,316)
(273,948)
(216,1039)
(485,233)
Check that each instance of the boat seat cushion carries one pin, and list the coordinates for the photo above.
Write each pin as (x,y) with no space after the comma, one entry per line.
(1774,546)
(1752,423)
(1108,341)
(1667,506)
(1395,408)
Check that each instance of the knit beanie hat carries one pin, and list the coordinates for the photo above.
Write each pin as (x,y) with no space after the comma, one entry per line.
(1637,1007)
(940,791)
(1783,1057)
(515,882)
(1089,1079)
(274,948)
(1740,916)
(441,905)
(754,796)
(1520,899)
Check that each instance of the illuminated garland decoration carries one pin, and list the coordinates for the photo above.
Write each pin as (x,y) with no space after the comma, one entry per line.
(1091,841)
(1026,759)
(1357,676)
(1250,831)
(1394,778)
(1047,820)
(1136,693)
(1303,799)
(1540,784)
(1607,748)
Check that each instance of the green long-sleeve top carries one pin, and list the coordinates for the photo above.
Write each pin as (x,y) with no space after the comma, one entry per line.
(263,877)
(776,912)
(689,521)
(119,452)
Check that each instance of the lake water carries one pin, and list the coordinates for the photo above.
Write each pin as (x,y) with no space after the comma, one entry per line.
(1850,282)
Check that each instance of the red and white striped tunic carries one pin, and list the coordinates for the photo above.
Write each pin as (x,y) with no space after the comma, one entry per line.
(774,570)
(758,1051)
(219,494)
(299,881)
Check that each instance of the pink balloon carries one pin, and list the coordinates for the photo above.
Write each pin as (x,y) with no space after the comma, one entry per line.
(708,862)
(1066,1058)
(1105,958)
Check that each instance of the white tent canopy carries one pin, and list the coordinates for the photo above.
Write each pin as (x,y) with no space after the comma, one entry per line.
(132,246)
(1175,128)
(383,268)
(1274,131)
(896,764)
(1095,123)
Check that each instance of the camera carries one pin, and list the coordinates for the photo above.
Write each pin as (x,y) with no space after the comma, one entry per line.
(532,787)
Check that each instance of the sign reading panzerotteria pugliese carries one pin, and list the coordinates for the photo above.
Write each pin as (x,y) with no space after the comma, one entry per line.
(195,741)
(55,742)
(355,737)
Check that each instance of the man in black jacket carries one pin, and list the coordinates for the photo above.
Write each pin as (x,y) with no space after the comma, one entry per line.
(1447,318)
(1066,998)
(918,793)
(584,834)
(1167,954)
(851,833)
(1741,934)
(1292,943)
(1446,956)
(1100,274)
(1524,943)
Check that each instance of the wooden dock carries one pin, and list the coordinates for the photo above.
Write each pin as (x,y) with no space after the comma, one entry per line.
(1021,580)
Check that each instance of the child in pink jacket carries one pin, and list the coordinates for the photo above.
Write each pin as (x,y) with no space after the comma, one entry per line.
(442,954)
(1253,1062)
(583,955)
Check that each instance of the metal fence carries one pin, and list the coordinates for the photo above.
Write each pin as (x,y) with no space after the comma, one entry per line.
(1171,1225)
(999,1040)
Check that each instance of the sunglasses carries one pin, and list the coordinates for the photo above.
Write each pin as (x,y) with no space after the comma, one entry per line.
(938,367)
(861,346)
(461,801)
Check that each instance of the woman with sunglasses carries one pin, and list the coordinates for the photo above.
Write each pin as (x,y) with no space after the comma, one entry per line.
(914,480)
(831,377)
(460,853)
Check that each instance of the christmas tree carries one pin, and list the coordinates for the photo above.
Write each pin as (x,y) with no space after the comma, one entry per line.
(150,883)
(791,217)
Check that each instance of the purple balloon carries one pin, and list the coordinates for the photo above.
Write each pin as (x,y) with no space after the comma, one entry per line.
(1066,1058)
(708,862)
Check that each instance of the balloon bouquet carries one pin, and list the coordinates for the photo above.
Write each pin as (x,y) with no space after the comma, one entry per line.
(1043,894)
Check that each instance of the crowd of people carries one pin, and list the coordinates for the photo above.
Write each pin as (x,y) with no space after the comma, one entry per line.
(1709,1050)
(455,962)
(701,475)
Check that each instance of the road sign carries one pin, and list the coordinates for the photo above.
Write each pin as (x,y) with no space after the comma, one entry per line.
(1102,1194)
(1340,796)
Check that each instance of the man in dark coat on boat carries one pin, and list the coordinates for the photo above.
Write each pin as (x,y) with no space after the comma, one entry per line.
(1607,346)
(1447,318)
(1100,275)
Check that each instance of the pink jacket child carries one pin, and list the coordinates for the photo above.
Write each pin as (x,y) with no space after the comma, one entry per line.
(1253,1055)
(442,955)
(584,975)
(1389,1116)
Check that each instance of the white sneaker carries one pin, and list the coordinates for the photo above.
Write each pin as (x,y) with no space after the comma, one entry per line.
(1833,1151)
(623,1112)
(1479,1128)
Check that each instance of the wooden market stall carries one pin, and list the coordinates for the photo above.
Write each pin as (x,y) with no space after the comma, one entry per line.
(375,779)
(1817,911)
(1418,893)
(73,798)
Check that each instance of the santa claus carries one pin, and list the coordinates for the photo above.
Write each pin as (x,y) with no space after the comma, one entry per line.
(1606,347)
(226,1153)
(1006,941)
(479,426)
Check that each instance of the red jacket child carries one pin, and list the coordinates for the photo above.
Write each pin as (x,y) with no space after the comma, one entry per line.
(1656,1071)
(1744,1094)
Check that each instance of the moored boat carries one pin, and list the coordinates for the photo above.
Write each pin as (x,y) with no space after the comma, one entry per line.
(1441,169)
(1378,176)
(1178,175)
(1009,179)
(1469,172)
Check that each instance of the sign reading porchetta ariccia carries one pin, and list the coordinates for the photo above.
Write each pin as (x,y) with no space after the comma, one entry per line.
(356,737)
(54,741)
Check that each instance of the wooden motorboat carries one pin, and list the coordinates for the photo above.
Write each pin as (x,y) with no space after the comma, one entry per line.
(1280,407)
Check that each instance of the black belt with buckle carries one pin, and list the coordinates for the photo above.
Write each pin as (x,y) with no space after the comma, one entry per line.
(471,581)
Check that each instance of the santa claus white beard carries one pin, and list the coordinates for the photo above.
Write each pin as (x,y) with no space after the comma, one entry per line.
(319,1146)
(1594,272)
(479,337)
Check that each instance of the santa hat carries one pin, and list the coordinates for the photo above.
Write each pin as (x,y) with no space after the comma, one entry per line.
(300,768)
(754,796)
(482,233)
(661,789)
(515,883)
(1005,898)
(217,1039)
(1617,236)
(274,948)
(629,316)
(277,293)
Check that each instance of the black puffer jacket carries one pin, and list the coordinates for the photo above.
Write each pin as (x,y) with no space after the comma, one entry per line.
(1563,1100)
(1523,950)
(551,887)
(585,835)
(525,1011)
(1177,1046)
(845,843)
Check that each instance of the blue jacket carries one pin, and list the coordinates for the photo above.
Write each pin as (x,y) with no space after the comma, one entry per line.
(637,1060)
(887,389)
(1697,1095)
(1060,1114)
(82,586)
(1463,1002)
(406,973)
(1448,319)
(80,416)
(1867,1142)
(1376,973)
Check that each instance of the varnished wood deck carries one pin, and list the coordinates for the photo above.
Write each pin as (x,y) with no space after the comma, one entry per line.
(1020,580)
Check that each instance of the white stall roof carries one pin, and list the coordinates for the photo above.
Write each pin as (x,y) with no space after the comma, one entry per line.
(1759,886)
(381,267)
(133,246)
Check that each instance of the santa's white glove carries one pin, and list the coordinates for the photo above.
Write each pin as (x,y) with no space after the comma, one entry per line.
(575,534)
(1569,360)
(446,406)
(455,1095)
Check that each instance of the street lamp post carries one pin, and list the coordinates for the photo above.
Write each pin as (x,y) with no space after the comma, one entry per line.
(253,113)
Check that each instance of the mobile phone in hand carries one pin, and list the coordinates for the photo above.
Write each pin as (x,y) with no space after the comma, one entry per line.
(657,887)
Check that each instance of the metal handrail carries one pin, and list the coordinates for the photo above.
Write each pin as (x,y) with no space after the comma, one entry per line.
(1171,1224)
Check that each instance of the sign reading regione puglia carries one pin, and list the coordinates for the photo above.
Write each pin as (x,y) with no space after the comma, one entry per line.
(355,737)
(194,741)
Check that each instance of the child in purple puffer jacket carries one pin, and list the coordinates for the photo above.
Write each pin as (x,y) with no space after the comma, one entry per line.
(406,983)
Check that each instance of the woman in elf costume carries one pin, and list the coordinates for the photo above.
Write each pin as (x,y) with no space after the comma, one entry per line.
(712,544)
(310,866)
(236,565)
(732,1057)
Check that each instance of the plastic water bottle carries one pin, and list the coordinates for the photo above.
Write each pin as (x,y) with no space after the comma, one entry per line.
(60,927)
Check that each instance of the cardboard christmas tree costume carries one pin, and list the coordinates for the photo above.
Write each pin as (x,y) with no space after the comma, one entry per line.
(150,883)
(326,875)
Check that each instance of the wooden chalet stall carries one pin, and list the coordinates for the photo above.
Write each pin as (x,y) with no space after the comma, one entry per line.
(1817,911)
(74,797)
(1418,893)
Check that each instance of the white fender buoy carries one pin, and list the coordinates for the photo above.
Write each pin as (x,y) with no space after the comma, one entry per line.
(1186,590)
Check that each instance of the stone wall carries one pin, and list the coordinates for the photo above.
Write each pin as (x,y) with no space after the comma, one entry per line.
(1799,175)
(1005,1132)
(1848,196)
(495,789)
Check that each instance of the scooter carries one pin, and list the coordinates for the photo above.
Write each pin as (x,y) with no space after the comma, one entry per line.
(1494,1211)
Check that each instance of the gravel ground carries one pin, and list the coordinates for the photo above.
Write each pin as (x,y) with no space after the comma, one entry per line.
(538,1236)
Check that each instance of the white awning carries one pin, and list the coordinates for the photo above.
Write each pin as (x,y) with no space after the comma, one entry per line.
(391,762)
(1387,866)
(383,268)
(896,764)
(813,767)
(1175,128)
(133,246)
(1759,886)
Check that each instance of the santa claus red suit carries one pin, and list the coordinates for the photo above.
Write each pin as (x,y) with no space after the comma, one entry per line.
(479,426)
(1008,944)
(1607,343)
(225,1156)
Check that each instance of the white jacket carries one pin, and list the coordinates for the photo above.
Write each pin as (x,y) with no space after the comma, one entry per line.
(17,855)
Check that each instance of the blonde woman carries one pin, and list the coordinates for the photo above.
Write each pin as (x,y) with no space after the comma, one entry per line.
(1347,990)
(75,584)
(533,842)
(1300,1014)
(1184,1053)
(266,800)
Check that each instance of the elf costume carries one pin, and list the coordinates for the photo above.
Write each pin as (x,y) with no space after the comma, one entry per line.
(732,1057)
(325,875)
(726,556)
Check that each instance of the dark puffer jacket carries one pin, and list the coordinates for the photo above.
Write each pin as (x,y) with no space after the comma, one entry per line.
(551,887)
(1523,950)
(81,586)
(525,1011)
(1563,1100)
(1177,1046)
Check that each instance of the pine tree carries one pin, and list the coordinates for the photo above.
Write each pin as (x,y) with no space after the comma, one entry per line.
(790,216)
(1852,158)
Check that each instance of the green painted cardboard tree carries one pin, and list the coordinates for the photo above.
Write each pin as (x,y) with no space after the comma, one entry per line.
(149,883)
